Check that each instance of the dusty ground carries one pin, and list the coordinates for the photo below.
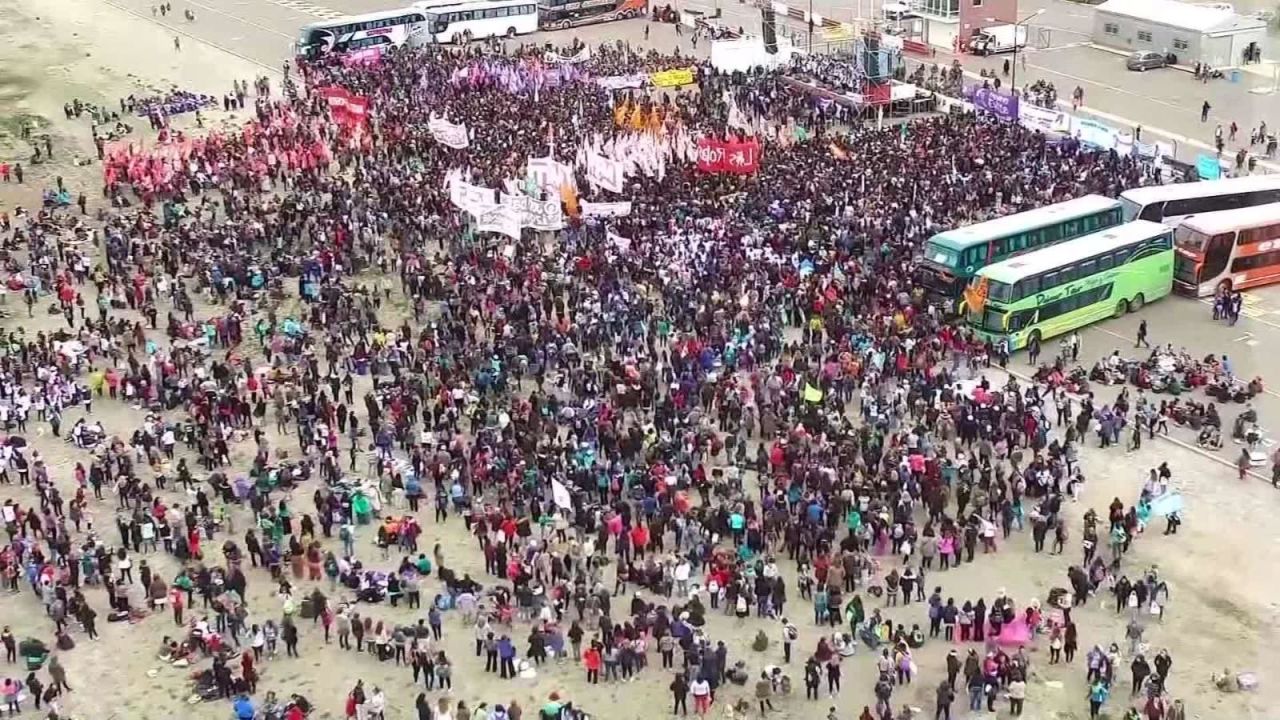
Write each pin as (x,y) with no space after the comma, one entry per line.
(1223,612)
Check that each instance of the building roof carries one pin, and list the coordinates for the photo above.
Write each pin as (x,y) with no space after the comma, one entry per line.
(1196,18)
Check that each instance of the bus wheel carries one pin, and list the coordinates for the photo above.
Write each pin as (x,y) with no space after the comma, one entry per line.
(1122,307)
(511,33)
(564,25)
(1136,304)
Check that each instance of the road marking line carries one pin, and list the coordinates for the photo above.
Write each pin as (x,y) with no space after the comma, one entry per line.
(241,20)
(273,70)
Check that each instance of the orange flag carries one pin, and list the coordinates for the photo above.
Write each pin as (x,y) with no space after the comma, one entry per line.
(637,118)
(655,119)
(569,197)
(620,113)
(975,296)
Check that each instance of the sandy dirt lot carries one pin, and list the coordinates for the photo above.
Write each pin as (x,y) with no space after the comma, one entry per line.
(1223,611)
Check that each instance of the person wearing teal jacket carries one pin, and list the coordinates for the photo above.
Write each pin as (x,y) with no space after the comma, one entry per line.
(1098,694)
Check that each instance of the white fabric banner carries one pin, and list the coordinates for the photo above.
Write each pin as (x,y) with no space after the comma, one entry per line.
(448,134)
(536,214)
(582,55)
(623,82)
(546,173)
(502,219)
(545,215)
(604,172)
(472,198)
(622,243)
(1092,132)
(609,209)
(1044,120)
(561,495)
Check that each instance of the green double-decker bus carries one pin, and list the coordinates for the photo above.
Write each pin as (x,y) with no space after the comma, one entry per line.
(1028,299)
(951,258)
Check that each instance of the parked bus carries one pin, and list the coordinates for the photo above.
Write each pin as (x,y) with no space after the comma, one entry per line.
(951,258)
(386,29)
(463,22)
(564,14)
(1227,250)
(1170,204)
(1028,299)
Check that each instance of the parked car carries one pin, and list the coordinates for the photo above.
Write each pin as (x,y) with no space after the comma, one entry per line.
(1145,60)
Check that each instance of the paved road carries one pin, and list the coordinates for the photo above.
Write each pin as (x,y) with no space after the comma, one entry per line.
(1164,102)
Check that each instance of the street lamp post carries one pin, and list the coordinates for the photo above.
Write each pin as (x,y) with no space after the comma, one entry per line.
(1014,80)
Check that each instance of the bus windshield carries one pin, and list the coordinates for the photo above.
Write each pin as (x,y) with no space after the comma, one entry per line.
(993,320)
(1130,209)
(1188,239)
(999,292)
(941,255)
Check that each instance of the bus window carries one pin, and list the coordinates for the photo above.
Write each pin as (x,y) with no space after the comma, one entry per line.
(1050,281)
(975,256)
(1030,286)
(1253,262)
(1153,212)
(1259,234)
(1088,268)
(1021,319)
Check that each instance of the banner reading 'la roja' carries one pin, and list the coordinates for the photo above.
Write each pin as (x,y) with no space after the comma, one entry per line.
(729,156)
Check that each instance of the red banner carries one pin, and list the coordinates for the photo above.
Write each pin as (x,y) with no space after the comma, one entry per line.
(729,156)
(346,109)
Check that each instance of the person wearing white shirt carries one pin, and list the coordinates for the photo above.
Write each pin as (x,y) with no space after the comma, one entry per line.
(681,574)
(701,690)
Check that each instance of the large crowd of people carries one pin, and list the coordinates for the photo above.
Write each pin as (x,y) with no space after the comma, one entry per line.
(732,398)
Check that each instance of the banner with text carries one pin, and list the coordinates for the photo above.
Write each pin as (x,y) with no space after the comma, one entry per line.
(472,198)
(502,219)
(1045,120)
(728,156)
(582,55)
(672,78)
(622,82)
(609,209)
(995,102)
(604,172)
(448,134)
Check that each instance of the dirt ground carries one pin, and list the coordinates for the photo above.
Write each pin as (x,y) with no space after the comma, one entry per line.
(1223,612)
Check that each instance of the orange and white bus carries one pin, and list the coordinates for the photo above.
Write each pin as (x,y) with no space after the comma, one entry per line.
(1227,250)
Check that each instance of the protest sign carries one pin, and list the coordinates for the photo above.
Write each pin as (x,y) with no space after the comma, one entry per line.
(609,209)
(582,55)
(622,82)
(672,78)
(728,156)
(605,173)
(502,219)
(472,198)
(448,134)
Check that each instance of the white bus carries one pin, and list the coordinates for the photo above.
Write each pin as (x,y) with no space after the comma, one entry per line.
(1170,204)
(377,30)
(463,22)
